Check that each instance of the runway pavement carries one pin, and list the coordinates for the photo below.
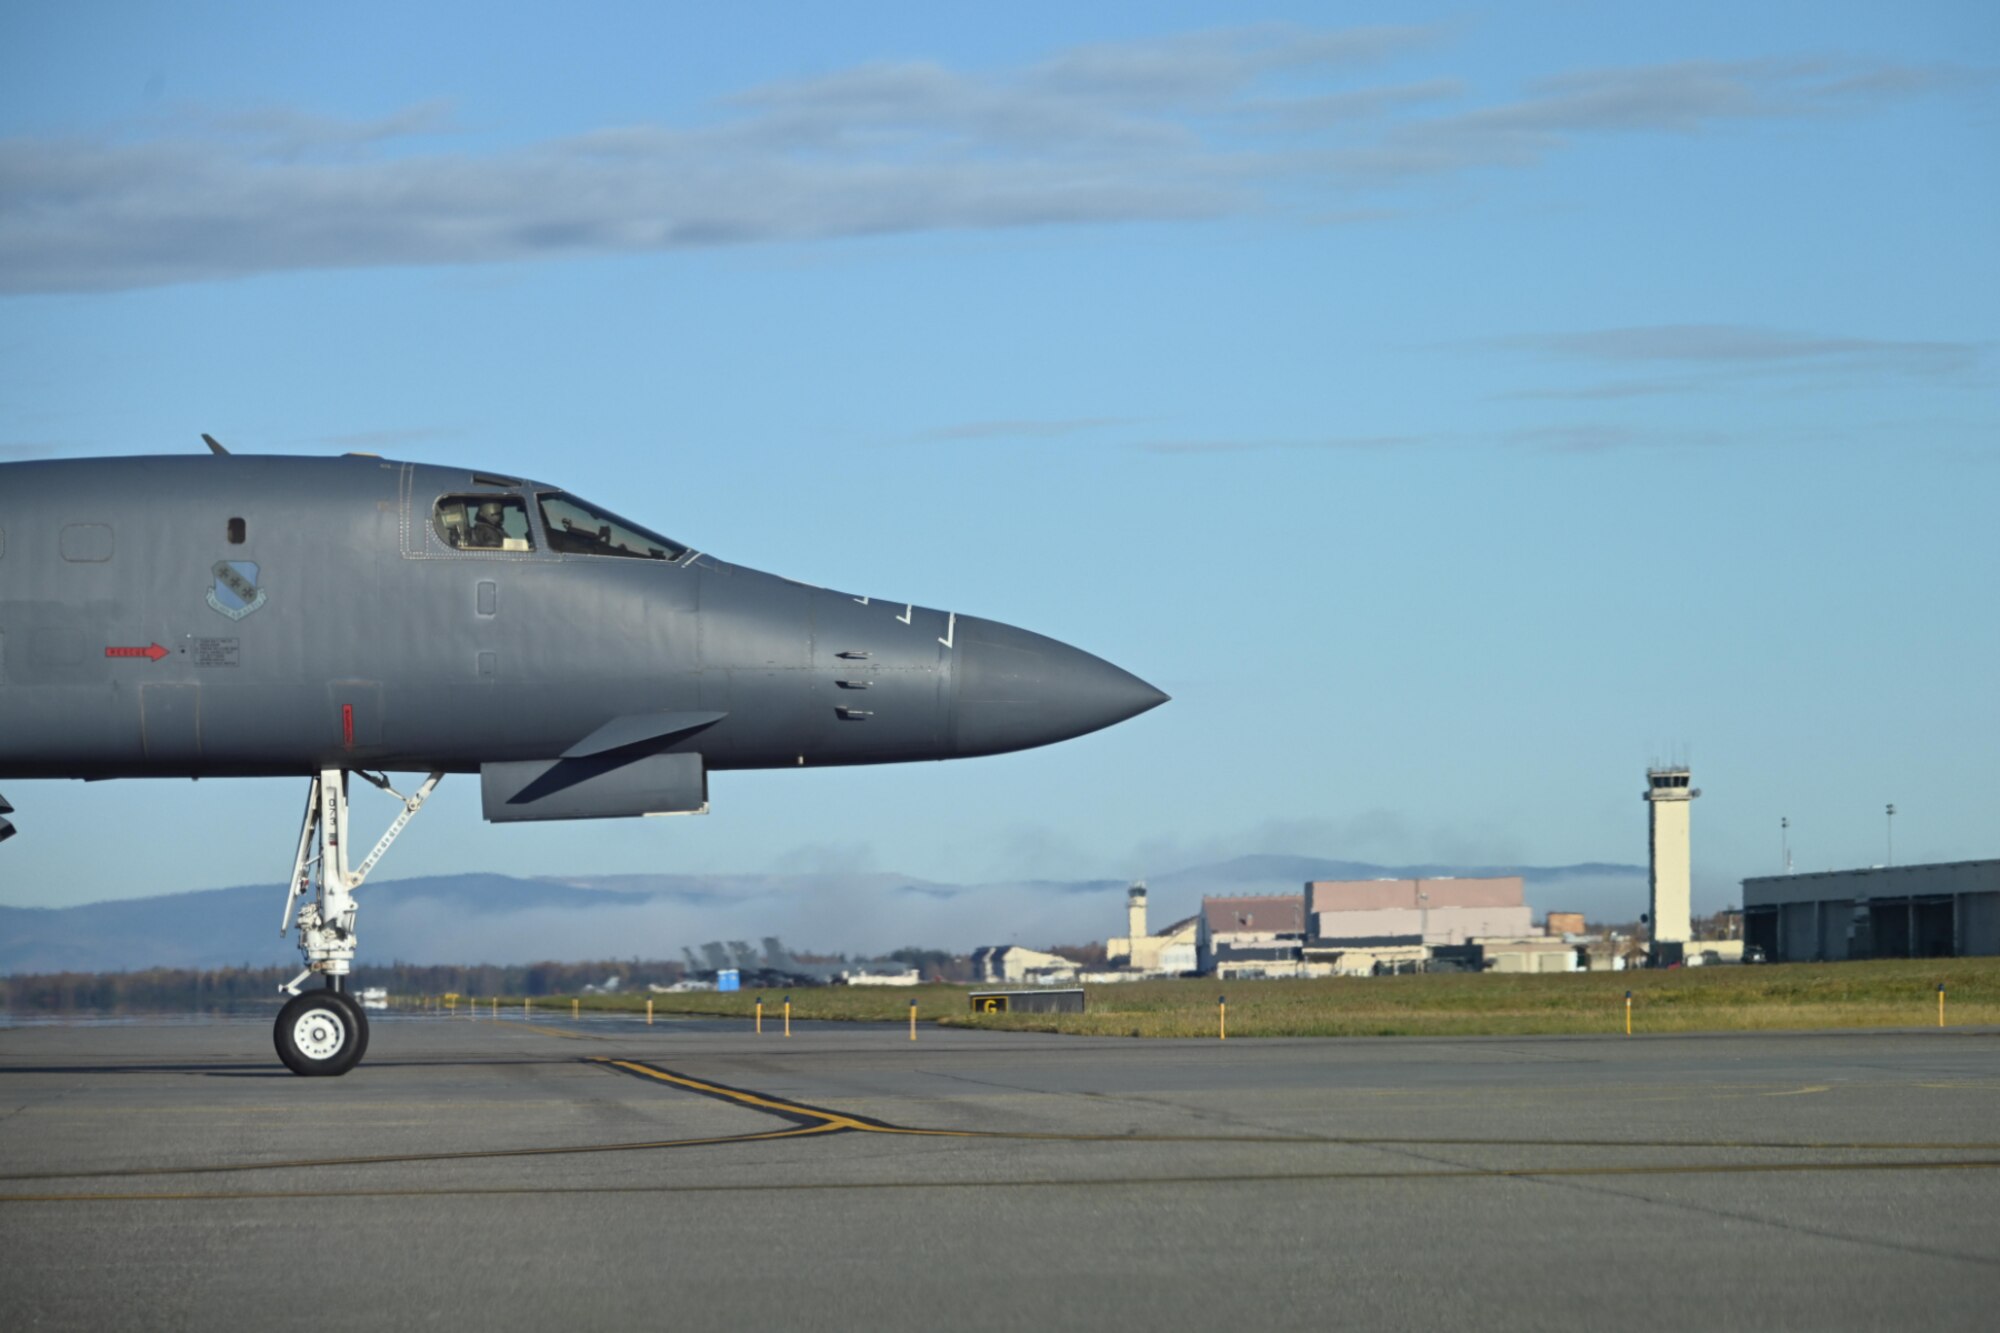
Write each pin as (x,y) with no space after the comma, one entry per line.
(604,1174)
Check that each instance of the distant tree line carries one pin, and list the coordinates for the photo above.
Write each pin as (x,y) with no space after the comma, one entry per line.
(934,964)
(183,988)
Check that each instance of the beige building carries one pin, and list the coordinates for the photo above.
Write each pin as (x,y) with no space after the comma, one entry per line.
(1529,953)
(1169,953)
(1565,923)
(1012,963)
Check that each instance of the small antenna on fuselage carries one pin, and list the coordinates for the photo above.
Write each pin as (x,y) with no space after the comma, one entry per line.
(214,445)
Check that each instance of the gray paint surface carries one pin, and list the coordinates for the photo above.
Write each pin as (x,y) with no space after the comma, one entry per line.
(137,639)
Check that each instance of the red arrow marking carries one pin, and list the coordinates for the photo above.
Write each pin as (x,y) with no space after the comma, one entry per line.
(155,652)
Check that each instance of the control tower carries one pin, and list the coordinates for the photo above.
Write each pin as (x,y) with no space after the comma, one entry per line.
(1135,910)
(1667,797)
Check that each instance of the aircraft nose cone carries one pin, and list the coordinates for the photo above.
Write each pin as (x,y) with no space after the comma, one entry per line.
(1018,689)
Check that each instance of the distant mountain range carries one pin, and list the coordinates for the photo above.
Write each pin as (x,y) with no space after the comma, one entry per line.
(485,918)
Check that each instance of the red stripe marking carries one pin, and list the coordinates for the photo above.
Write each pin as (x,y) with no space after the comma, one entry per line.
(347,725)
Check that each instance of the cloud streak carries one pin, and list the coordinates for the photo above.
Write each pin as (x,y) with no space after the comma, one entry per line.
(1687,97)
(1331,444)
(1709,350)
(1017,430)
(1194,126)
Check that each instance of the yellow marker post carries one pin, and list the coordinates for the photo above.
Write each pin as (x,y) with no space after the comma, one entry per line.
(1222,1018)
(649,1013)
(1628,1013)
(527,1007)
(496,1006)
(1940,1004)
(575,1007)
(760,1015)
(913,1020)
(788,1015)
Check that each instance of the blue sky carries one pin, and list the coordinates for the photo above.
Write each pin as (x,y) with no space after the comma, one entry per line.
(1453,408)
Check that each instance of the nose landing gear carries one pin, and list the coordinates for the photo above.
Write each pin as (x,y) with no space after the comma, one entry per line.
(324,1032)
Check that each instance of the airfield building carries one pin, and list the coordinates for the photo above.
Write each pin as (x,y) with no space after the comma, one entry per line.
(1366,926)
(1169,953)
(1669,803)
(1415,911)
(1251,936)
(1011,963)
(1565,924)
(1927,911)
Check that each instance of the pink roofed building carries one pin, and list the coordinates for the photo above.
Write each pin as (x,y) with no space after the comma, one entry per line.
(1427,911)
(1261,929)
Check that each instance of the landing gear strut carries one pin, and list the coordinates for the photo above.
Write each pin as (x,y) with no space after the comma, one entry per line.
(324,1031)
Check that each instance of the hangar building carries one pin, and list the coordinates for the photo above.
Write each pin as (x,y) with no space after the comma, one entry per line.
(1254,935)
(1932,911)
(1415,911)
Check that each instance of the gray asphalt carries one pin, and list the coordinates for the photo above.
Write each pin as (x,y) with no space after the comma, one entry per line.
(551,1174)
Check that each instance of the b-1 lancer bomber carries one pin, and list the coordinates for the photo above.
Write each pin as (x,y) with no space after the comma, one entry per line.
(225,615)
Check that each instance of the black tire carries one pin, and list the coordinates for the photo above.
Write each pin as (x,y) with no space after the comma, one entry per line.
(361,1021)
(320,1033)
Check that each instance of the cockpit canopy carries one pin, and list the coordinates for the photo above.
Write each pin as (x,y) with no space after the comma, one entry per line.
(483,523)
(577,528)
(490,522)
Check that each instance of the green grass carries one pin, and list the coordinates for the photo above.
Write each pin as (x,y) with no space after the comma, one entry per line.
(1798,996)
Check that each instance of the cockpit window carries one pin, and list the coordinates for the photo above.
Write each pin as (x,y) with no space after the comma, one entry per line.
(576,528)
(483,523)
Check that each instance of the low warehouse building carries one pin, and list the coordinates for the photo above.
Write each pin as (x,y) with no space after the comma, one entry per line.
(1929,911)
(1011,962)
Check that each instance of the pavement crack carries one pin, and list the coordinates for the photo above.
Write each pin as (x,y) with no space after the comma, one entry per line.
(1779,1224)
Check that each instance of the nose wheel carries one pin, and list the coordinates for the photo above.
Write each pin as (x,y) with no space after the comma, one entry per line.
(321,1032)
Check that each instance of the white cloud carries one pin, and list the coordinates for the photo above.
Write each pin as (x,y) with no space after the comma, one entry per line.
(1194,126)
(1737,348)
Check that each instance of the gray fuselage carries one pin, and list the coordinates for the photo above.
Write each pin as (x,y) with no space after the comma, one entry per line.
(264,616)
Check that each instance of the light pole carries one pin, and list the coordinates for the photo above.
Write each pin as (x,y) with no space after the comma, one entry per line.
(1785,842)
(1889,819)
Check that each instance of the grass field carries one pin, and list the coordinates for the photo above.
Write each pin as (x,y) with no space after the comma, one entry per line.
(1798,996)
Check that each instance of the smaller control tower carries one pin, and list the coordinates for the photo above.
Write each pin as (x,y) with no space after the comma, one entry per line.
(1135,910)
(1667,797)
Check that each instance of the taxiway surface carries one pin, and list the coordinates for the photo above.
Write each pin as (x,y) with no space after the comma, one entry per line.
(548,1173)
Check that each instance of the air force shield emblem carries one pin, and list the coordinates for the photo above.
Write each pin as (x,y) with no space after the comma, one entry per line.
(235,592)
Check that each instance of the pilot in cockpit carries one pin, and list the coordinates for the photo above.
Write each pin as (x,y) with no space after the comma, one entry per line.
(489,526)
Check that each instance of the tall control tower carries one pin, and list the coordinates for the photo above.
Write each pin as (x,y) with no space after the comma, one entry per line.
(1667,797)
